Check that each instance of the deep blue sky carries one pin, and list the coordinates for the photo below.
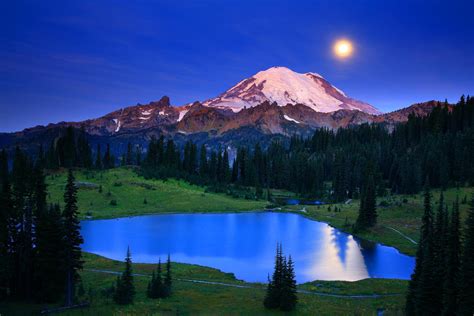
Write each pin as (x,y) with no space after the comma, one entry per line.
(83,59)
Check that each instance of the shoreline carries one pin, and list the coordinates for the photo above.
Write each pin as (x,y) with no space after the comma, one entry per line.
(274,210)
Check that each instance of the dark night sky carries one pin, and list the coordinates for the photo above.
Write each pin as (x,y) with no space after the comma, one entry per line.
(85,58)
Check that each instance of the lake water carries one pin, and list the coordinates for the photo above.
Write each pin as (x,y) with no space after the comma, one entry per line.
(244,244)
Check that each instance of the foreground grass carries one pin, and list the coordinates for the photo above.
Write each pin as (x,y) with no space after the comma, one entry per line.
(194,298)
(121,192)
(402,213)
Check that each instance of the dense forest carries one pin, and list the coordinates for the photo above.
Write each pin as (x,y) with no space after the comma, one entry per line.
(331,164)
(443,280)
(39,244)
(439,146)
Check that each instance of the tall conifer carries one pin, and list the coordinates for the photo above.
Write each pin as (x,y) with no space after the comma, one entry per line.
(72,238)
(451,278)
(466,284)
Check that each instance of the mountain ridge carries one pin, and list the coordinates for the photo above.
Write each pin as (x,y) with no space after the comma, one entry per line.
(219,123)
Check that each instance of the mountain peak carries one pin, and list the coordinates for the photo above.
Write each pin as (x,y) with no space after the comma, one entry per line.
(284,86)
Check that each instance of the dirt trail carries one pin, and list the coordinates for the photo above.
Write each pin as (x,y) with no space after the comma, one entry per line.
(242,286)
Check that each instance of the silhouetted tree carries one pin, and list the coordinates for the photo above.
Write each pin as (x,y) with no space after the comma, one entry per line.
(125,289)
(72,238)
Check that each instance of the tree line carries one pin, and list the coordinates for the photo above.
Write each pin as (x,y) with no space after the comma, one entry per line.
(443,280)
(39,244)
(439,146)
(330,165)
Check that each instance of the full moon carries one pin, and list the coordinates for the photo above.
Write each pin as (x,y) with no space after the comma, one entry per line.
(343,48)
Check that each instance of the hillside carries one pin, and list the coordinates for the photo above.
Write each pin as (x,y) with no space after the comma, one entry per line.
(98,190)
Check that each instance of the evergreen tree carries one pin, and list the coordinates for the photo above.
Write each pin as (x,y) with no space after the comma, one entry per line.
(367,211)
(50,274)
(108,161)
(6,226)
(427,290)
(281,288)
(128,158)
(273,294)
(72,238)
(125,289)
(84,152)
(168,282)
(288,297)
(203,169)
(439,253)
(451,278)
(98,158)
(466,284)
(22,233)
(413,305)
(156,287)
(138,157)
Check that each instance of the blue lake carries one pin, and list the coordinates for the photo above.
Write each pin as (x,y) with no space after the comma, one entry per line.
(244,244)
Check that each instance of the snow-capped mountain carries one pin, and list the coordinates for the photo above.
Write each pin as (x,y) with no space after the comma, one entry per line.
(277,102)
(284,86)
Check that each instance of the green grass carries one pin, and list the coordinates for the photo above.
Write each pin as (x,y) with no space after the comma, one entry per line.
(403,213)
(190,298)
(129,191)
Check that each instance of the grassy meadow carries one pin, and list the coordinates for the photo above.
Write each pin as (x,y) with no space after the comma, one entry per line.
(121,192)
(213,299)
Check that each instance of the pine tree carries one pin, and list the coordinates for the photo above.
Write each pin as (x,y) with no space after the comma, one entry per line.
(273,294)
(281,288)
(225,167)
(22,224)
(128,158)
(367,211)
(466,284)
(451,278)
(50,274)
(138,157)
(203,168)
(155,287)
(168,282)
(288,295)
(125,289)
(439,253)
(6,228)
(107,161)
(72,238)
(98,158)
(413,305)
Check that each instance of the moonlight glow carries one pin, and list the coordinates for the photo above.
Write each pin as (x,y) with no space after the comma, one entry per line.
(343,48)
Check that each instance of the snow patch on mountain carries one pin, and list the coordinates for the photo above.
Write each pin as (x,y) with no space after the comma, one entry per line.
(291,119)
(119,124)
(181,115)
